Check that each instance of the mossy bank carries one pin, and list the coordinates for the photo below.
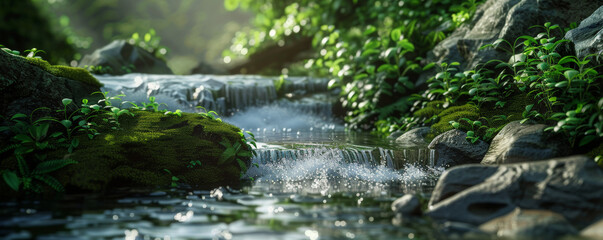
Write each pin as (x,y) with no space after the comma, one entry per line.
(139,153)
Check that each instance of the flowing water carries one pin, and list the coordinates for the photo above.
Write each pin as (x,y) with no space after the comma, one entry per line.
(311,179)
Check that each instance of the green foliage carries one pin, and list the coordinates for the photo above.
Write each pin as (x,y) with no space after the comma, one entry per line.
(372,48)
(477,130)
(30,143)
(174,179)
(209,115)
(566,89)
(238,151)
(150,42)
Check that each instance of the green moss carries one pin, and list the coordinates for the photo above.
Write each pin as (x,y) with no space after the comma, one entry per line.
(147,144)
(78,74)
(453,114)
(431,109)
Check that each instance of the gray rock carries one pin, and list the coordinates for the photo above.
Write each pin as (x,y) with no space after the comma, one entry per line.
(25,87)
(588,36)
(529,224)
(395,135)
(518,142)
(507,19)
(453,149)
(413,138)
(474,194)
(407,205)
(593,231)
(119,54)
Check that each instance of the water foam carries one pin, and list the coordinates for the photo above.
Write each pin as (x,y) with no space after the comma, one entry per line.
(324,171)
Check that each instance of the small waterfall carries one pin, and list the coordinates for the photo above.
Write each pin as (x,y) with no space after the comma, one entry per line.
(223,94)
(354,156)
(417,156)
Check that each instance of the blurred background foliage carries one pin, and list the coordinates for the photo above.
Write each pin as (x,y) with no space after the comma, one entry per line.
(191,30)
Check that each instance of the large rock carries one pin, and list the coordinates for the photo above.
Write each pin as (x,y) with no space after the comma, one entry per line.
(453,149)
(119,55)
(518,142)
(25,86)
(506,19)
(475,194)
(138,153)
(529,224)
(407,205)
(588,36)
(413,138)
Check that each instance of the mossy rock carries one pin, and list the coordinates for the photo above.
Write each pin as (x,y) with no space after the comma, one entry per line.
(27,84)
(137,154)
(75,73)
(453,113)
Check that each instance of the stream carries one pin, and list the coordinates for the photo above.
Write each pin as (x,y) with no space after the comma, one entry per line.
(311,179)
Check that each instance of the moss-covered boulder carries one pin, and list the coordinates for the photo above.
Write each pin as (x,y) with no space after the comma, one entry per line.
(147,144)
(30,83)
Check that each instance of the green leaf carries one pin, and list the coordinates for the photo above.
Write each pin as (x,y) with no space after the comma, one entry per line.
(570,74)
(51,181)
(52,165)
(75,142)
(561,84)
(429,66)
(66,123)
(396,34)
(11,179)
(470,134)
(66,101)
(586,140)
(18,115)
(543,66)
(23,138)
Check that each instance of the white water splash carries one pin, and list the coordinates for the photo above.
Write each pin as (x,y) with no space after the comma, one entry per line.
(324,171)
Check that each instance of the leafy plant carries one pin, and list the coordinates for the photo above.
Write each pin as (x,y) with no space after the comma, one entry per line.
(30,141)
(33,52)
(194,163)
(210,115)
(175,180)
(238,151)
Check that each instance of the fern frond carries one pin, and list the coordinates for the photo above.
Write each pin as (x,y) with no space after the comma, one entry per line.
(9,147)
(51,166)
(23,168)
(50,181)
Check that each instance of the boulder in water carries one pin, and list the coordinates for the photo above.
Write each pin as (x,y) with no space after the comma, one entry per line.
(453,149)
(475,194)
(121,58)
(413,138)
(407,205)
(518,142)
(588,36)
